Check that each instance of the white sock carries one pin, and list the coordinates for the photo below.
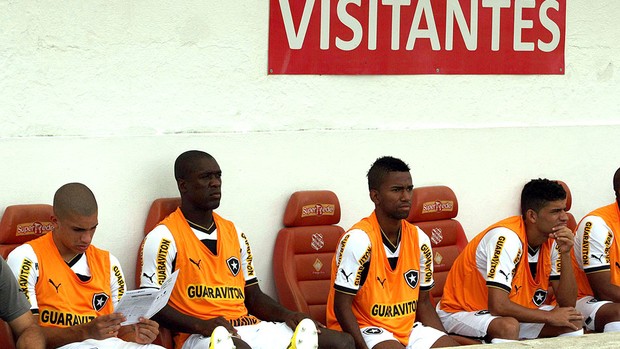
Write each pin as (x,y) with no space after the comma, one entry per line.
(612,327)
(572,334)
(501,340)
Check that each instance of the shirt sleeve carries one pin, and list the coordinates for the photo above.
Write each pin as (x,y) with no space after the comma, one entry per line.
(158,254)
(498,253)
(594,239)
(117,281)
(556,262)
(247,265)
(352,253)
(14,303)
(426,262)
(25,265)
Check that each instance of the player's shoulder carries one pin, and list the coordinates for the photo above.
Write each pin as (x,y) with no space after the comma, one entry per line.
(24,251)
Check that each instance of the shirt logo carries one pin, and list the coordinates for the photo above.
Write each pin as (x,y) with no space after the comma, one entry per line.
(539,297)
(345,274)
(372,330)
(100,300)
(196,263)
(53,284)
(413,278)
(505,275)
(149,277)
(233,265)
(482,312)
(382,282)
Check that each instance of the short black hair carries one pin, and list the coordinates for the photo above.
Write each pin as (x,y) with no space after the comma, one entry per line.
(184,162)
(381,167)
(74,198)
(617,180)
(538,192)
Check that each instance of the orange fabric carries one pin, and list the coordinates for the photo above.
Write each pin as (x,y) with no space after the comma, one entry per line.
(611,215)
(206,287)
(466,288)
(64,300)
(392,308)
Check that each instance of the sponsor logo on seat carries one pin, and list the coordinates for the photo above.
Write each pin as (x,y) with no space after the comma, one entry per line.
(437,206)
(438,258)
(317,241)
(34,228)
(318,210)
(318,265)
(436,236)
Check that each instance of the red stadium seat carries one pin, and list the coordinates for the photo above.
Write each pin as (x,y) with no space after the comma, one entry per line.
(304,250)
(22,223)
(433,210)
(160,208)
(572,223)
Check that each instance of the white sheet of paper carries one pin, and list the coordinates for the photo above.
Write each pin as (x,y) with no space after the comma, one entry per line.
(145,302)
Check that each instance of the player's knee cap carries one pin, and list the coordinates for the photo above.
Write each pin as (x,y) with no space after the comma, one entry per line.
(343,341)
(508,328)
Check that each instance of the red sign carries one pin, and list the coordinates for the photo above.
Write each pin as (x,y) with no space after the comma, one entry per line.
(417,36)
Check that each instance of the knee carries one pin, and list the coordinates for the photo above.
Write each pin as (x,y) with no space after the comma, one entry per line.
(504,327)
(339,340)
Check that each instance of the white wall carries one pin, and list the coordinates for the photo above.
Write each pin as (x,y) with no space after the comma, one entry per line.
(110,92)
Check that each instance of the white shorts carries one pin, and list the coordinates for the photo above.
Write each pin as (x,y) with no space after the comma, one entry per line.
(421,336)
(110,343)
(476,323)
(588,306)
(263,335)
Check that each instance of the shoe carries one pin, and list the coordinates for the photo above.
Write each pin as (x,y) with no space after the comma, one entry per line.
(305,336)
(221,339)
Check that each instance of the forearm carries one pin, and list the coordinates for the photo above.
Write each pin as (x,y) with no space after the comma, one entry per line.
(609,293)
(566,294)
(57,337)
(265,308)
(427,315)
(349,324)
(172,318)
(501,305)
(31,338)
(602,286)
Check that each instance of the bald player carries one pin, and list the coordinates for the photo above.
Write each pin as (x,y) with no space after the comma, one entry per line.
(73,286)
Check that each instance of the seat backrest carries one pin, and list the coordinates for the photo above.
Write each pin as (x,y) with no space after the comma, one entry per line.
(22,223)
(304,250)
(433,210)
(572,223)
(160,208)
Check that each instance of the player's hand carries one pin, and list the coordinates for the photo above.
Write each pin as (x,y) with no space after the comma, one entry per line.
(564,317)
(145,331)
(211,324)
(105,326)
(294,318)
(564,238)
